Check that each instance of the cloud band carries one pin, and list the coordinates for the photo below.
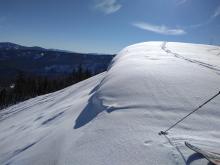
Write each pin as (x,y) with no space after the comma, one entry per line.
(159,29)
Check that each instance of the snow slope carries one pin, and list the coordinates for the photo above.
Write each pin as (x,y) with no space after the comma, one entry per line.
(115,117)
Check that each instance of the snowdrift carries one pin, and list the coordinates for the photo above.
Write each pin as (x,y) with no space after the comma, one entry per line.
(115,117)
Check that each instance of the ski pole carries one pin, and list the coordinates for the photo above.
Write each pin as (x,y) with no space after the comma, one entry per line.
(166,131)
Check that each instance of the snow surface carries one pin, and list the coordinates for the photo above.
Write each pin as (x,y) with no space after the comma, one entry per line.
(115,117)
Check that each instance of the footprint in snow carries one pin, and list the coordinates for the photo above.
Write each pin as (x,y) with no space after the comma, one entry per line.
(148,142)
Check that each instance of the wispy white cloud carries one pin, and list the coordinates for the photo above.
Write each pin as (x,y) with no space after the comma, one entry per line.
(180,2)
(107,6)
(159,29)
(195,26)
(216,13)
(208,21)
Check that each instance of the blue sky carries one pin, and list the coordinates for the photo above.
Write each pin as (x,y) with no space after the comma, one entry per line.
(106,26)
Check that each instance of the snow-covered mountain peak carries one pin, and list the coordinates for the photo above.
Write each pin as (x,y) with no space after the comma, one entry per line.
(115,117)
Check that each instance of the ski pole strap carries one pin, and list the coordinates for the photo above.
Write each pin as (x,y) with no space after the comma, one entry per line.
(165,132)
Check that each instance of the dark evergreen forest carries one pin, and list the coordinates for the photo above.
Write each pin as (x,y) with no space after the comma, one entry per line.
(27,86)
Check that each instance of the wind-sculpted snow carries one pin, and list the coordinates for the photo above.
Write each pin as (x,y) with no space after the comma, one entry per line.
(32,132)
(115,117)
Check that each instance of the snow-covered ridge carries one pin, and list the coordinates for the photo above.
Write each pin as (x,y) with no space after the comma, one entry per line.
(115,117)
(107,96)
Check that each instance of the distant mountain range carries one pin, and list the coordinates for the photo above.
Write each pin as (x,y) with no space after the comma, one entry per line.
(49,62)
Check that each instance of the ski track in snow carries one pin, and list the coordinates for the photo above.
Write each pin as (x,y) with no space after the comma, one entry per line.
(115,117)
(212,67)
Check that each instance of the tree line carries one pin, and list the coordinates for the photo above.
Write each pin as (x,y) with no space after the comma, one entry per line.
(28,86)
